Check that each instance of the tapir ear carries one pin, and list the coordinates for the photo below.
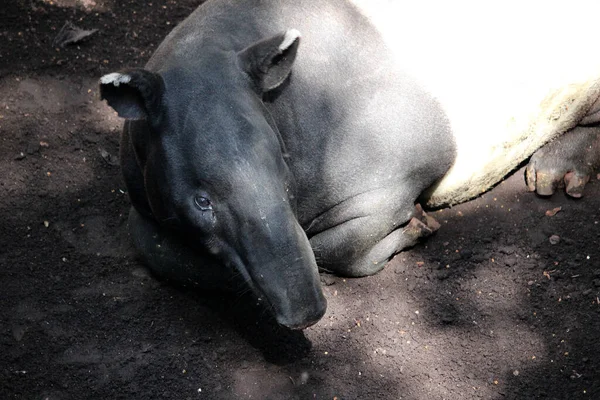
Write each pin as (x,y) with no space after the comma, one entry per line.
(134,93)
(269,61)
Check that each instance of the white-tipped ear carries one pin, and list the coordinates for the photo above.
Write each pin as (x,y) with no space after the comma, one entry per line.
(291,35)
(269,61)
(115,78)
(133,93)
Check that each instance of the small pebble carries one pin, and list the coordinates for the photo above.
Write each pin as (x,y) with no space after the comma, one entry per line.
(554,239)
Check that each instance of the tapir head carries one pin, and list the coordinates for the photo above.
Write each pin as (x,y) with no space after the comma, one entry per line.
(213,167)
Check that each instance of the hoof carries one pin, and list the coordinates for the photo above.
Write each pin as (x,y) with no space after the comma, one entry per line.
(421,224)
(567,162)
(575,183)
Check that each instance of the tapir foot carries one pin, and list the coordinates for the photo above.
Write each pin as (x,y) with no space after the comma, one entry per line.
(567,162)
(421,224)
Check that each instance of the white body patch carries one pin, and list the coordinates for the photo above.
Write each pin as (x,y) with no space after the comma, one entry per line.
(115,78)
(510,75)
(290,37)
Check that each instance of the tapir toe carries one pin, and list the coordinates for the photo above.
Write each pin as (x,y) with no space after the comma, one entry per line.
(567,162)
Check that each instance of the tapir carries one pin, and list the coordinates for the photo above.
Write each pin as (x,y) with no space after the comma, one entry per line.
(265,139)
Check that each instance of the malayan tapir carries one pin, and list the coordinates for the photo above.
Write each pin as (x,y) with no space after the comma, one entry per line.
(267,139)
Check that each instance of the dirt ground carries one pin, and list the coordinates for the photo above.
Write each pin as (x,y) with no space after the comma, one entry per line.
(489,308)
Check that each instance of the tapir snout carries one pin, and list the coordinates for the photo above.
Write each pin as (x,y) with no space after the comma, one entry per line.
(274,254)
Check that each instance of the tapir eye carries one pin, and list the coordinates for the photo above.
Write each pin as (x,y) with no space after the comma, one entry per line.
(202,203)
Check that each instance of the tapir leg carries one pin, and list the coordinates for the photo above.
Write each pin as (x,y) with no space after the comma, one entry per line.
(360,247)
(169,257)
(568,162)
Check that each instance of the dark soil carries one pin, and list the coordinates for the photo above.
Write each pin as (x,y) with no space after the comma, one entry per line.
(488,308)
